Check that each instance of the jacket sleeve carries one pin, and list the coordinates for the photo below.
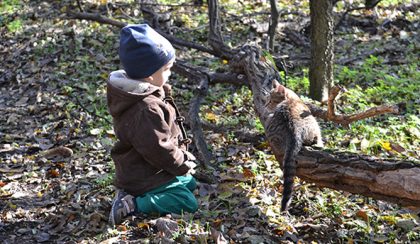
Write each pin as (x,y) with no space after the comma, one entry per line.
(151,137)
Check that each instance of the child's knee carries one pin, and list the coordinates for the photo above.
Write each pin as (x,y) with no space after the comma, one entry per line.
(188,181)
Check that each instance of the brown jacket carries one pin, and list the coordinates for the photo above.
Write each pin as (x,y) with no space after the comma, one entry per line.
(151,148)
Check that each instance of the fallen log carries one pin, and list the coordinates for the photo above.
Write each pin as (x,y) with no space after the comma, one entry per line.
(393,181)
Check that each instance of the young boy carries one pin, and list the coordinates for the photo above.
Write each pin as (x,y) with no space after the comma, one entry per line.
(152,164)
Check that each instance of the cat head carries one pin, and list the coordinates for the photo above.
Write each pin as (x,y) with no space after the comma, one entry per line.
(278,92)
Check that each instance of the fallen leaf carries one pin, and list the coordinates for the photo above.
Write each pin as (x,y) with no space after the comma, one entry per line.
(122,228)
(362,214)
(217,223)
(396,147)
(386,145)
(53,173)
(211,117)
(143,226)
(248,173)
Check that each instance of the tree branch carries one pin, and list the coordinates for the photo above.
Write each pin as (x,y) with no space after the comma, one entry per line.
(175,41)
(96,17)
(345,120)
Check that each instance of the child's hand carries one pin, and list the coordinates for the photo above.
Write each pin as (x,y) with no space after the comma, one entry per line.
(190,156)
(191,165)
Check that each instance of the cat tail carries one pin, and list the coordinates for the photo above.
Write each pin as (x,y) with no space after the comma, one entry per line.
(289,164)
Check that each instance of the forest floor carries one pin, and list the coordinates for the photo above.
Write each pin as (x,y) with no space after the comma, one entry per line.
(56,134)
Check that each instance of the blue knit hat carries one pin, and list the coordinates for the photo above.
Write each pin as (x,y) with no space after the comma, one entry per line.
(143,51)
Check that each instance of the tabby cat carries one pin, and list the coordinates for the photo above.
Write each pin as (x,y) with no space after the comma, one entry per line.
(290,125)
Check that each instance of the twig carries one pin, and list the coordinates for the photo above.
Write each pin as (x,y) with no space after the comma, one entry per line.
(193,113)
(90,112)
(192,72)
(333,94)
(177,42)
(169,5)
(345,120)
(203,77)
(96,17)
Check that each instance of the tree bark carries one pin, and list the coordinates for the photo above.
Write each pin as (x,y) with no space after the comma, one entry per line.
(393,181)
(322,49)
(397,182)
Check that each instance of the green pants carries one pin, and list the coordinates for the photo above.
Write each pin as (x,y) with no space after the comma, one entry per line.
(173,197)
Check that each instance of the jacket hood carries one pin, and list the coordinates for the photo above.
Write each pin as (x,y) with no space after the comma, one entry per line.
(123,92)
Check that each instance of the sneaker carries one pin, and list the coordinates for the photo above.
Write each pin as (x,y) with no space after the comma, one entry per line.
(122,206)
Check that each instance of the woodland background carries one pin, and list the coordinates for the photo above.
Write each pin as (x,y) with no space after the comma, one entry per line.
(53,73)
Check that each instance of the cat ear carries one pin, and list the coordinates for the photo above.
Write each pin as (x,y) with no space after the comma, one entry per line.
(275,84)
(281,89)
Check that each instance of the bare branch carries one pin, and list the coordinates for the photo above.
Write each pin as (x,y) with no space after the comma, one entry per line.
(345,120)
(177,42)
(333,94)
(169,5)
(96,17)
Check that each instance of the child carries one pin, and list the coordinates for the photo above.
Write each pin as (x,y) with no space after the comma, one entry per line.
(152,164)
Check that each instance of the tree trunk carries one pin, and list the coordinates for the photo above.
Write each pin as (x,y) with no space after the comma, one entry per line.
(322,49)
(273,24)
(397,182)
(215,38)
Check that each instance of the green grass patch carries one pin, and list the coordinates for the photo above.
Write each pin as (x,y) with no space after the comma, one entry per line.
(9,6)
(15,25)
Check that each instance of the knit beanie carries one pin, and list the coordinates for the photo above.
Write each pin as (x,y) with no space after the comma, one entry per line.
(143,51)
